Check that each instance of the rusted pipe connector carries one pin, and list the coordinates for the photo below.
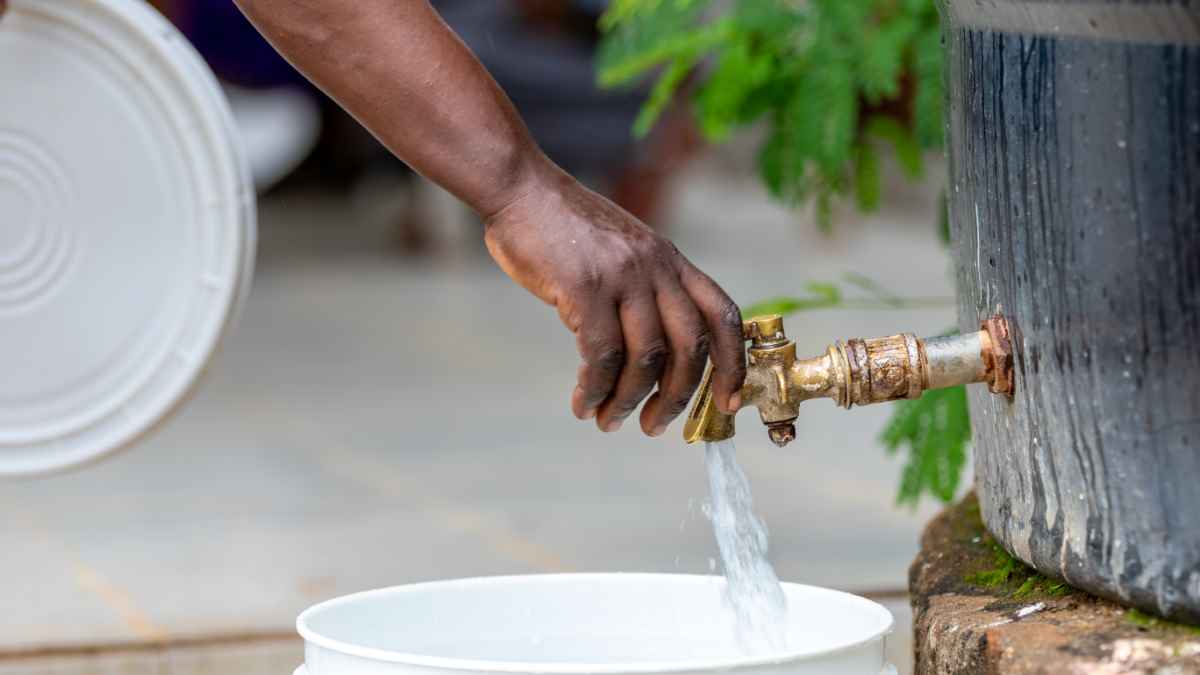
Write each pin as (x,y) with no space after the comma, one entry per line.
(998,356)
(882,369)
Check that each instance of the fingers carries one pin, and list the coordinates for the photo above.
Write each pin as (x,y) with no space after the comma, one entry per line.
(724,321)
(687,335)
(646,356)
(602,347)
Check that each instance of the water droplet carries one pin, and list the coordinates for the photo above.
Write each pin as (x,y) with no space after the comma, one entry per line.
(1121,143)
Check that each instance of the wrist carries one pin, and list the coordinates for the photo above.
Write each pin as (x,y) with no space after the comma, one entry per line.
(528,177)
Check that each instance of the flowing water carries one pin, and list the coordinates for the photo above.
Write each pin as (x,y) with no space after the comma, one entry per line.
(752,590)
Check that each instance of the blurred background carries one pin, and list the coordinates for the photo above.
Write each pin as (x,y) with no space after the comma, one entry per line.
(391,408)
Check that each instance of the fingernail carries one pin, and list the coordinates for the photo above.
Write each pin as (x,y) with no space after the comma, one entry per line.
(589,413)
(613,425)
(735,401)
(658,430)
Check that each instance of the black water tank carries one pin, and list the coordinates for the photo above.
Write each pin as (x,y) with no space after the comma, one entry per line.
(1074,130)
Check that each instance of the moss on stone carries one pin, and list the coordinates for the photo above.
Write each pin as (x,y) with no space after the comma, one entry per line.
(997,570)
(1143,620)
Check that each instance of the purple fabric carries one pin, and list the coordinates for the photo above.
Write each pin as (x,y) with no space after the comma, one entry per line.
(232,47)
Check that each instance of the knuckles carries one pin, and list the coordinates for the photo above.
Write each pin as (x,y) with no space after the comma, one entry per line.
(730,317)
(676,405)
(588,282)
(653,358)
(610,358)
(696,350)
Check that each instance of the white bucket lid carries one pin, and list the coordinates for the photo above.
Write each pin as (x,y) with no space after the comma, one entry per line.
(126,227)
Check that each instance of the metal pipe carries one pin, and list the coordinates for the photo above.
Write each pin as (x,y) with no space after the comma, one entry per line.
(955,359)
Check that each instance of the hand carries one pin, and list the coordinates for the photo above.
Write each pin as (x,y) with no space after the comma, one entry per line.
(641,313)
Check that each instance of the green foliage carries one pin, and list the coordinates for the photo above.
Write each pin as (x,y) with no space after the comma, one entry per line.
(936,429)
(662,93)
(831,295)
(819,72)
(820,296)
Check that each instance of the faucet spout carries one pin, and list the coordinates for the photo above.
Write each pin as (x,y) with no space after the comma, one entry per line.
(855,372)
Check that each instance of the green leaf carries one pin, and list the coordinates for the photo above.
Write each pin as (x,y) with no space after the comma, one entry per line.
(824,291)
(928,103)
(832,102)
(620,63)
(935,429)
(908,150)
(624,11)
(770,163)
(883,58)
(770,20)
(874,288)
(866,178)
(790,305)
(662,94)
(807,67)
(640,35)
(740,71)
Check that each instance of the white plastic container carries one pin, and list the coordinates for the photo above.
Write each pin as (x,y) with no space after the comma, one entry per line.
(582,623)
(127,227)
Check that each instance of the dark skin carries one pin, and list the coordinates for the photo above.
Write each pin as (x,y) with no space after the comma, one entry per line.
(645,319)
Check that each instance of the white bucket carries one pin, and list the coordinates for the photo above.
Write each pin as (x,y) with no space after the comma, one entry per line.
(582,623)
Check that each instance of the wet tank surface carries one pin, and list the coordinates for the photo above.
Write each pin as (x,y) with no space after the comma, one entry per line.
(1075,204)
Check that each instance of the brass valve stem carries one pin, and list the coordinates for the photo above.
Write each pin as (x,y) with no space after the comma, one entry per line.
(855,372)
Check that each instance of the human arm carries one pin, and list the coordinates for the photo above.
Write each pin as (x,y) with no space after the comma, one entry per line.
(642,314)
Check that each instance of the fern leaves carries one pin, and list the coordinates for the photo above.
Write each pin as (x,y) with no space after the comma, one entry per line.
(809,68)
(936,429)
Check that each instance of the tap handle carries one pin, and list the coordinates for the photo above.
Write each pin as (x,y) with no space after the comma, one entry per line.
(705,422)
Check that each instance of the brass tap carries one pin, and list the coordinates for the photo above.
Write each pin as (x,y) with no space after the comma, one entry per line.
(855,372)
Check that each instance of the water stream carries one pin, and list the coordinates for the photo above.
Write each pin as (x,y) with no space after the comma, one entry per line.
(752,589)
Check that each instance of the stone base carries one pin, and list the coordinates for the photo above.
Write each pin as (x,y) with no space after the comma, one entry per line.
(977,610)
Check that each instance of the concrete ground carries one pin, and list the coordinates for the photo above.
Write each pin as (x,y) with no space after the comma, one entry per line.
(376,421)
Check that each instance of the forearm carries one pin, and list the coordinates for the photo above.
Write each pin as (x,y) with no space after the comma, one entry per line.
(406,77)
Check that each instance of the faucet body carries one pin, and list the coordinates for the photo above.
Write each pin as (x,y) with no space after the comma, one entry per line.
(855,372)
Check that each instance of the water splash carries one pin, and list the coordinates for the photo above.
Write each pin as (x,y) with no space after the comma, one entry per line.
(752,589)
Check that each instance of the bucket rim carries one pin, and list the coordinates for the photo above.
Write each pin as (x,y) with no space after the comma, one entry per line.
(886,626)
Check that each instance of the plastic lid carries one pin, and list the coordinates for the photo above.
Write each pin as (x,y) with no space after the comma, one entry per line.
(126,227)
